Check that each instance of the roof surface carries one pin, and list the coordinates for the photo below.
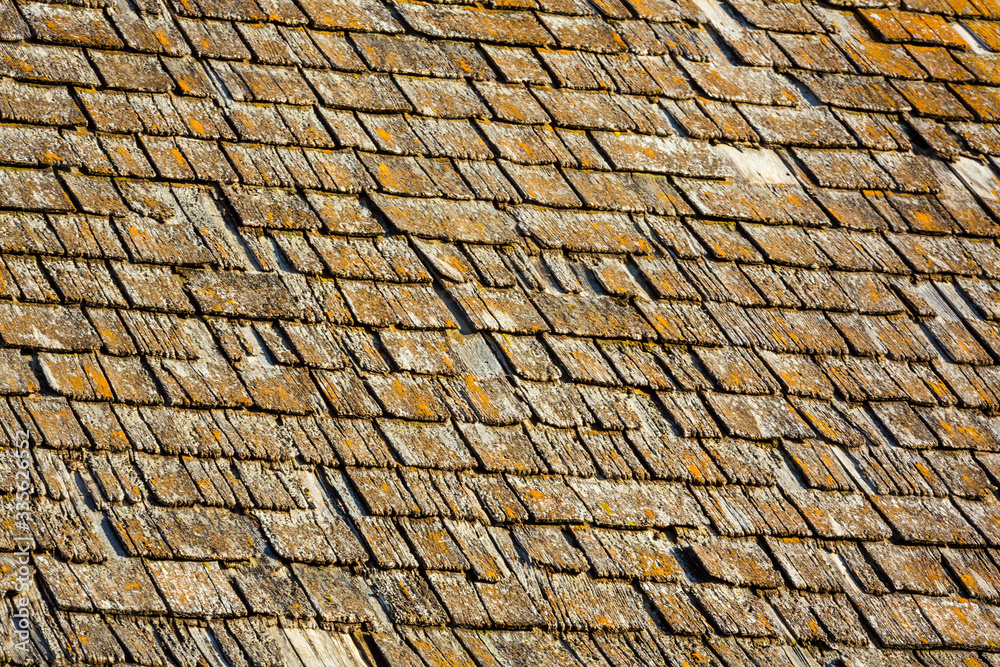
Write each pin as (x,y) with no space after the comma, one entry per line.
(546,332)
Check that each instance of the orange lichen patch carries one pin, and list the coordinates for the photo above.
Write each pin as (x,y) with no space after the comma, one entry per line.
(983,100)
(64,24)
(987,31)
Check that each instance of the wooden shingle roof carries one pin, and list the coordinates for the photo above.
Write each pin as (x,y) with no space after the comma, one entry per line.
(549,333)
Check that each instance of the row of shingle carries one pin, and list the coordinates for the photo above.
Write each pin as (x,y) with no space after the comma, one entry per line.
(526,596)
(160,430)
(80,638)
(388,259)
(937,204)
(511,27)
(920,175)
(602,362)
(577,231)
(572,33)
(430,492)
(933,200)
(390,273)
(178,243)
(207,534)
(413,491)
(572,69)
(168,345)
(933,459)
(424,491)
(194,118)
(735,511)
(282,124)
(323,346)
(847,248)
(113,639)
(495,401)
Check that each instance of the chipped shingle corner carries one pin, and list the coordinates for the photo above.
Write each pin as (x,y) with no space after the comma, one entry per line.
(595,333)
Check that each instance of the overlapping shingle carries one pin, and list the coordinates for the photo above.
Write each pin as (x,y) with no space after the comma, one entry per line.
(559,332)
